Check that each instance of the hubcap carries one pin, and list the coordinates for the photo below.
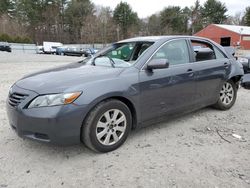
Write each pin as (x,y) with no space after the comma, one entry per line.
(227,94)
(111,127)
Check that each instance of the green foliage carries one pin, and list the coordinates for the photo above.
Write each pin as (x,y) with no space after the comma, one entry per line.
(5,6)
(75,16)
(18,39)
(154,25)
(186,12)
(213,12)
(247,16)
(106,26)
(29,11)
(173,20)
(196,17)
(26,40)
(125,17)
(5,38)
(80,21)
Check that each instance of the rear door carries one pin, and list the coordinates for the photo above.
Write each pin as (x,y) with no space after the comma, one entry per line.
(164,91)
(211,69)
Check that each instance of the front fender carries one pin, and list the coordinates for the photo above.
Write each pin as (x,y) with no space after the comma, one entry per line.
(236,70)
(124,87)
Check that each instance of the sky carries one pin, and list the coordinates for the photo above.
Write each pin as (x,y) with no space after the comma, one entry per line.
(145,8)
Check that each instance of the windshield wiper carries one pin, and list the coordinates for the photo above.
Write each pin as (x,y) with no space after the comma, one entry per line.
(102,55)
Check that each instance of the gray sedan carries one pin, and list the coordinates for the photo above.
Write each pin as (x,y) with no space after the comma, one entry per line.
(130,84)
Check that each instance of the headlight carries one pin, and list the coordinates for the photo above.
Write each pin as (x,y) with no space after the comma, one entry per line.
(243,60)
(54,99)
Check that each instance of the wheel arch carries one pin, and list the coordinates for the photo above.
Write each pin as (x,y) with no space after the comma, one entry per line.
(124,100)
(236,79)
(131,107)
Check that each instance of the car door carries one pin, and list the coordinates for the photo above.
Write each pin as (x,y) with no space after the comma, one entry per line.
(167,90)
(211,70)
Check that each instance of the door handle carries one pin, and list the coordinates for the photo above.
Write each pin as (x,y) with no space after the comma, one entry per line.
(226,64)
(191,73)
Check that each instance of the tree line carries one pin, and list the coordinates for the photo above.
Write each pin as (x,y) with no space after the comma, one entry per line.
(80,21)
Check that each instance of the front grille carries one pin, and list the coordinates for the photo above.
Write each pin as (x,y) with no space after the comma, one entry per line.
(16,98)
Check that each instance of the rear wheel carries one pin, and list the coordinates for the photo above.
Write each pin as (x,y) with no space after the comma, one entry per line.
(107,126)
(228,94)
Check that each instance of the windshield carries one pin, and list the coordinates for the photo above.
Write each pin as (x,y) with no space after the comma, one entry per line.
(119,54)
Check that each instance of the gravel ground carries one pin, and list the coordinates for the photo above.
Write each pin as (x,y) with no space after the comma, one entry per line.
(195,150)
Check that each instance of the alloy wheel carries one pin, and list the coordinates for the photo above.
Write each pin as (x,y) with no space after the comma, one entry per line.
(227,94)
(111,127)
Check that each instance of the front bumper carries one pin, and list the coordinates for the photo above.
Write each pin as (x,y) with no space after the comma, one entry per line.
(58,124)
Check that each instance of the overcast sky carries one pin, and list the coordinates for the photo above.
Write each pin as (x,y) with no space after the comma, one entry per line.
(145,8)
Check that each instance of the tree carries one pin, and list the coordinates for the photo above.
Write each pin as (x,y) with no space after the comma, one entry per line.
(213,12)
(125,18)
(247,16)
(196,19)
(5,6)
(237,19)
(186,12)
(154,25)
(52,23)
(173,20)
(107,25)
(75,15)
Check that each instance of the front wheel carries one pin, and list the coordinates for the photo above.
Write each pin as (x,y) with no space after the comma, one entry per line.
(228,94)
(107,126)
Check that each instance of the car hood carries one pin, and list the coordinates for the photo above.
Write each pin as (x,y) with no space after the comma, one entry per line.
(66,77)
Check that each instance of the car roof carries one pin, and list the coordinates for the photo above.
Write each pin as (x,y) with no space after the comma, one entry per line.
(157,38)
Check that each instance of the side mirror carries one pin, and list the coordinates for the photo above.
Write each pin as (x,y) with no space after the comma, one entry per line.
(158,64)
(245,82)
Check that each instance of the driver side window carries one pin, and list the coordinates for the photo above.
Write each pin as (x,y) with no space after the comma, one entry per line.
(176,52)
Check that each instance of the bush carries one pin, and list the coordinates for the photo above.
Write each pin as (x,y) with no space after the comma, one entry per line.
(17,39)
(27,40)
(5,38)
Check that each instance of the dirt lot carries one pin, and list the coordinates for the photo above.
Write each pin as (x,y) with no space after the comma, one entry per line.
(188,151)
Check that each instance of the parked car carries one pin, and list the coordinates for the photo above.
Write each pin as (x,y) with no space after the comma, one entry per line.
(130,84)
(245,82)
(74,51)
(90,51)
(61,50)
(71,51)
(39,50)
(245,61)
(5,46)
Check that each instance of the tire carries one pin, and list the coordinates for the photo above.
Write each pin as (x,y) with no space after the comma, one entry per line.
(107,126)
(227,96)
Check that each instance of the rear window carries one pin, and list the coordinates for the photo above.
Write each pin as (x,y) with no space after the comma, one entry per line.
(205,51)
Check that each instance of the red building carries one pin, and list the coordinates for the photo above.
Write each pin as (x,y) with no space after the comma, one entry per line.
(227,35)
